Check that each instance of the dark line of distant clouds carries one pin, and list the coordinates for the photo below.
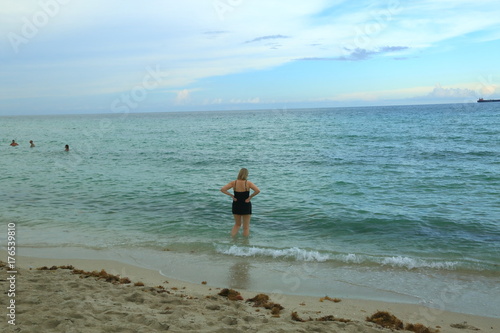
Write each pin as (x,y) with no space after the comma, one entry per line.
(258,39)
(357,54)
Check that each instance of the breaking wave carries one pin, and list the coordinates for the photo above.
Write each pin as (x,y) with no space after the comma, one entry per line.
(290,253)
(298,254)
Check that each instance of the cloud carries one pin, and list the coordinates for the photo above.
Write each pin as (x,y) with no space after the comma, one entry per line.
(380,95)
(182,96)
(258,39)
(255,100)
(219,32)
(233,101)
(361,54)
(421,94)
(442,92)
(358,54)
(215,34)
(387,49)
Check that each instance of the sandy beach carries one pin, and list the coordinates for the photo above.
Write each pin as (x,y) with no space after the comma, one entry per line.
(60,295)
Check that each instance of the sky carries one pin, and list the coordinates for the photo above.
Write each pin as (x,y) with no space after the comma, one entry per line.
(88,56)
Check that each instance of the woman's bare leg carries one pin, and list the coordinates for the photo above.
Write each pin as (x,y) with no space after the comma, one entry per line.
(237,225)
(246,225)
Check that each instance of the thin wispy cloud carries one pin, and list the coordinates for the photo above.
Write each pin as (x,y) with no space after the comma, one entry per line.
(272,37)
(360,54)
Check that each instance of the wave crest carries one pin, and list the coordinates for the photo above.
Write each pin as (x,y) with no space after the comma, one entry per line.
(298,254)
(412,263)
(290,253)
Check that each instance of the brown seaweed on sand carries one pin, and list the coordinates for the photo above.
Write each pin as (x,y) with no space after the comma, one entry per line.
(419,328)
(332,318)
(45,268)
(326,298)
(99,275)
(387,320)
(231,294)
(262,300)
(102,275)
(259,301)
(295,317)
(53,268)
(70,267)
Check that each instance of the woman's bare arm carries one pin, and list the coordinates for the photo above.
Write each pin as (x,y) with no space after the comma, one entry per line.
(255,189)
(225,189)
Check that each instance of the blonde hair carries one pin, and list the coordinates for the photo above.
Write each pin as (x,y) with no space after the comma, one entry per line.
(243,174)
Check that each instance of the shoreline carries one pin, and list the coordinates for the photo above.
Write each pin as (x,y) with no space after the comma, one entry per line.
(467,294)
(202,303)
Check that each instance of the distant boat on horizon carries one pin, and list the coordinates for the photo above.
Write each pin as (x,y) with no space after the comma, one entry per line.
(481,100)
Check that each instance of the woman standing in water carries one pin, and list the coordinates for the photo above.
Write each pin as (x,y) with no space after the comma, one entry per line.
(242,207)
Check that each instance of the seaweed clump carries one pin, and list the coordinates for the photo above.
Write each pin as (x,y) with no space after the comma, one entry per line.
(387,320)
(115,279)
(231,294)
(102,275)
(332,318)
(326,298)
(262,301)
(419,328)
(53,268)
(295,317)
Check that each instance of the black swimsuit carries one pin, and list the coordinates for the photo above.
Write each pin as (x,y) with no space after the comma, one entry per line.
(240,207)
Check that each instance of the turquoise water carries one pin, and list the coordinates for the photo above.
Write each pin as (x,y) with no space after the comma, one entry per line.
(398,202)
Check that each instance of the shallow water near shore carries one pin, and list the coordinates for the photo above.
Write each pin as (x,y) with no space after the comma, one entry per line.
(394,203)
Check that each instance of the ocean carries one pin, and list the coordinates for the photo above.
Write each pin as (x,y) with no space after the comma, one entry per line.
(396,203)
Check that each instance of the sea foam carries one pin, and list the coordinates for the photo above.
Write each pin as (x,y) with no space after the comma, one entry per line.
(412,263)
(294,253)
(298,254)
